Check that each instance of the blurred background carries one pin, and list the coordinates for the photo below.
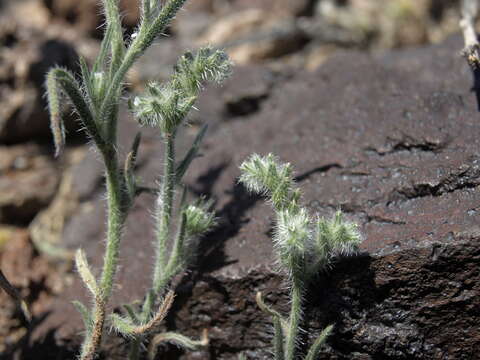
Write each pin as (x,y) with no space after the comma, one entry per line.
(284,35)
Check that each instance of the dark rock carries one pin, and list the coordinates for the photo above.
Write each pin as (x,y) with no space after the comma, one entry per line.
(393,141)
(241,96)
(87,17)
(28,181)
(38,287)
(25,57)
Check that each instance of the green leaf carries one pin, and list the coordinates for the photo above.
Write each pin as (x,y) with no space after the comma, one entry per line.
(59,78)
(177,339)
(145,9)
(278,339)
(177,257)
(86,316)
(104,49)
(116,44)
(130,161)
(85,272)
(268,310)
(87,83)
(131,313)
(192,153)
(317,345)
(56,121)
(123,326)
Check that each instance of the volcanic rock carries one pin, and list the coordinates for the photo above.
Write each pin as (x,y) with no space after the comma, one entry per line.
(28,181)
(393,141)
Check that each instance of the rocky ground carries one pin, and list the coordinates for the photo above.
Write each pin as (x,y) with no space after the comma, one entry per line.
(375,119)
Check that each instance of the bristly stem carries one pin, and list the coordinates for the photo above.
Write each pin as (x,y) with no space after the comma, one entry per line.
(116,219)
(165,208)
(301,251)
(164,215)
(92,342)
(96,100)
(147,32)
(295,317)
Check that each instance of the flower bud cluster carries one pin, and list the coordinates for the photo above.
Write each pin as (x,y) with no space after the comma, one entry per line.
(303,244)
(291,236)
(266,176)
(335,237)
(198,218)
(166,106)
(161,106)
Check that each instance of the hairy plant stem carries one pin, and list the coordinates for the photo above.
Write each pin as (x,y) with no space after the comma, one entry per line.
(295,317)
(93,340)
(145,36)
(164,213)
(116,218)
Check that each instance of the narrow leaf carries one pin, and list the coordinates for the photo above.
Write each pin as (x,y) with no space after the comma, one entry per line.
(128,328)
(176,261)
(268,310)
(86,316)
(123,326)
(13,293)
(278,339)
(116,44)
(183,198)
(85,272)
(130,162)
(132,155)
(56,122)
(145,9)
(167,13)
(87,83)
(105,47)
(148,304)
(317,345)
(177,339)
(72,89)
(131,313)
(191,154)
(157,319)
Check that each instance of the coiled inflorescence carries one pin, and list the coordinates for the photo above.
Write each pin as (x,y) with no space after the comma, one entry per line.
(302,242)
(166,106)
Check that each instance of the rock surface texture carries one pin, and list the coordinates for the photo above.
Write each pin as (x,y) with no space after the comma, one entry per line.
(393,140)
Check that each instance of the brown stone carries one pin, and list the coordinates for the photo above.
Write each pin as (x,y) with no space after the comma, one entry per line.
(392,140)
(25,57)
(35,280)
(28,181)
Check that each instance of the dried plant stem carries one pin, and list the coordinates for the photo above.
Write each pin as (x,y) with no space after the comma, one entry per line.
(471,50)
(13,293)
(93,340)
